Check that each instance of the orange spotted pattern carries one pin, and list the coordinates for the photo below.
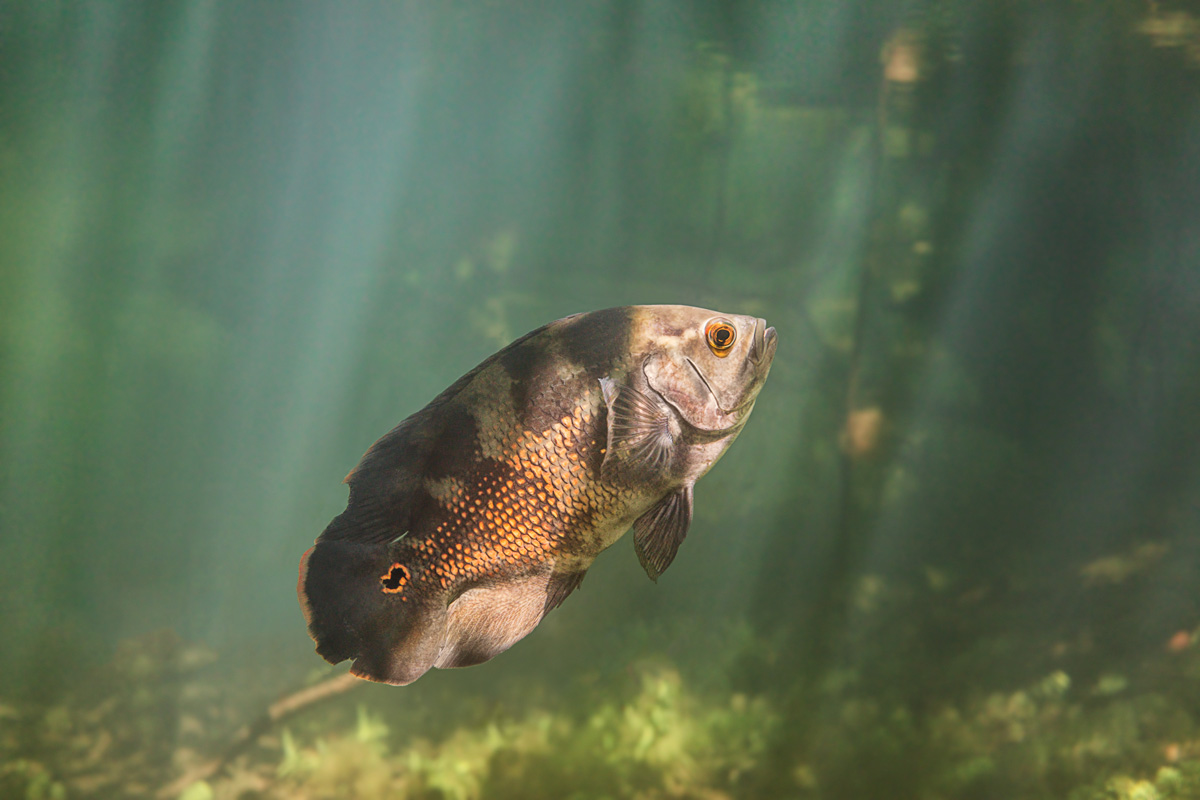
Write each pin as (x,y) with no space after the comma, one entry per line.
(535,504)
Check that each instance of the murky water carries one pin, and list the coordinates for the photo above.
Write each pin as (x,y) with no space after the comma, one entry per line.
(952,555)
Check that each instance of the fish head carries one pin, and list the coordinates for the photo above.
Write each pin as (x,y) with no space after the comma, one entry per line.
(709,366)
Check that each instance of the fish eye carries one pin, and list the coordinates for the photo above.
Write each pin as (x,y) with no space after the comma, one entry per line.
(721,335)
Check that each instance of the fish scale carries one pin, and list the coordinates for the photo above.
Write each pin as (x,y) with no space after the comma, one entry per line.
(502,522)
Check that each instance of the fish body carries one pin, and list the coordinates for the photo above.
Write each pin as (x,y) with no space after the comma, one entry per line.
(481,512)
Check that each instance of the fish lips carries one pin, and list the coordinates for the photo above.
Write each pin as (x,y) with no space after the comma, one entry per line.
(762,346)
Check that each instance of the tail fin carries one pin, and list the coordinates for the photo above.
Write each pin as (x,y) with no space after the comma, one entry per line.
(391,637)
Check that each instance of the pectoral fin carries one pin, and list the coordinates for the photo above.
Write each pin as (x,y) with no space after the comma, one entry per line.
(659,532)
(639,430)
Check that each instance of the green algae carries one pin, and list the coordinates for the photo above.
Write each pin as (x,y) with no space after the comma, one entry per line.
(663,741)
(658,732)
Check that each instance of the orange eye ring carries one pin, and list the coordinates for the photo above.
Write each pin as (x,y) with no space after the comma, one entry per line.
(395,579)
(721,335)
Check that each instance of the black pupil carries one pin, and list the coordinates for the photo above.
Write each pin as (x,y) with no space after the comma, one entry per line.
(722,336)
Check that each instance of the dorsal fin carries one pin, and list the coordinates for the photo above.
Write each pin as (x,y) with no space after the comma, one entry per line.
(385,482)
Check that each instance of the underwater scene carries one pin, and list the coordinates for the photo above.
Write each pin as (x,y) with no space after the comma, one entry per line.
(935,265)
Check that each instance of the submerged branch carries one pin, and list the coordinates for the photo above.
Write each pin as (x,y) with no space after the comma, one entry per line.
(278,711)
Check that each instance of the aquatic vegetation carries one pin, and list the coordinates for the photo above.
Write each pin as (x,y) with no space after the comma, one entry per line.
(1056,737)
(121,733)
(655,734)
(350,766)
(1168,783)
(663,742)
(30,780)
(668,742)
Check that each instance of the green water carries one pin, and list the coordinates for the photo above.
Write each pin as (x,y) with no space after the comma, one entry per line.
(952,555)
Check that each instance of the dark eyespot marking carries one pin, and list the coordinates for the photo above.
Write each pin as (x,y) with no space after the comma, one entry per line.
(395,579)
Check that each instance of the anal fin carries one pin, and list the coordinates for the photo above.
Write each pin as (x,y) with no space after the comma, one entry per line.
(486,620)
(659,532)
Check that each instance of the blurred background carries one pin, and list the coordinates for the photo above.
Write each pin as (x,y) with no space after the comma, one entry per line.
(953,554)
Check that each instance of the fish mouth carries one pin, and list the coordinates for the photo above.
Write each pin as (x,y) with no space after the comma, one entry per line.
(762,345)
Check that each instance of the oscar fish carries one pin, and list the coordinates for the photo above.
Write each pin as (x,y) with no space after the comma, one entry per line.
(480,513)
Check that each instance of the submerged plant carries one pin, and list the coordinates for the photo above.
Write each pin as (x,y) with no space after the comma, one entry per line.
(29,780)
(663,742)
(342,767)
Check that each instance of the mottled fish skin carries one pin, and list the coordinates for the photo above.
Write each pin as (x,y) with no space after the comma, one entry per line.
(477,515)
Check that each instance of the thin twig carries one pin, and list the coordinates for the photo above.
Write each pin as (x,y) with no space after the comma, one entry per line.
(281,709)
